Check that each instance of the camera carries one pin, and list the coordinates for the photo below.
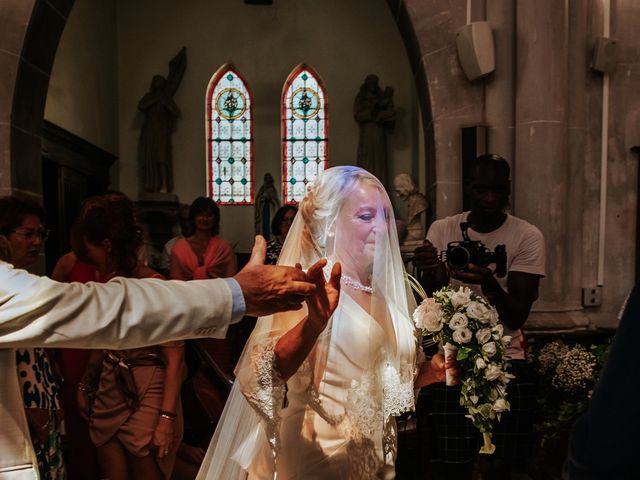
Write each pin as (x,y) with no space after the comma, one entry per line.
(460,254)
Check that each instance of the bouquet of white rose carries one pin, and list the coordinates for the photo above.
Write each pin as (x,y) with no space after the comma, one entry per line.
(466,323)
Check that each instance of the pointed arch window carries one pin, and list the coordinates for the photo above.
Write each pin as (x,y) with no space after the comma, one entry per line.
(304,131)
(229,112)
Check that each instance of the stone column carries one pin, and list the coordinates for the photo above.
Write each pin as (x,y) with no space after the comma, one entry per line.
(541,153)
(499,95)
(578,119)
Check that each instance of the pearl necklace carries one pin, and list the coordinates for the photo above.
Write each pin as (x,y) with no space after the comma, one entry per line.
(351,282)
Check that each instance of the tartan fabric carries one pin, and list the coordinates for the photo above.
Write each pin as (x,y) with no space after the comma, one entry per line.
(452,438)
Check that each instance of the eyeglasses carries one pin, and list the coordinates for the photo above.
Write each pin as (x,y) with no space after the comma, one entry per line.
(30,235)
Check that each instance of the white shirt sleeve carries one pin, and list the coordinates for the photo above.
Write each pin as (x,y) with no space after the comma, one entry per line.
(436,235)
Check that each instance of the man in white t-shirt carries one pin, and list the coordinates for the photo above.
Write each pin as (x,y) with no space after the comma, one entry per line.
(512,295)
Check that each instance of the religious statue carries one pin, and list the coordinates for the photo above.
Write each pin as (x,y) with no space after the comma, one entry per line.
(375,113)
(266,205)
(417,205)
(160,115)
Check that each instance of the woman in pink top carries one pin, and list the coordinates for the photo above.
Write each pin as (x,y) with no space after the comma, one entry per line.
(203,254)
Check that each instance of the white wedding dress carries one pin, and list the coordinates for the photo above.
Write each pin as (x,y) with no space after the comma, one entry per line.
(335,426)
(334,418)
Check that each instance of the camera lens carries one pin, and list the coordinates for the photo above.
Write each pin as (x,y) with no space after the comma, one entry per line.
(458,257)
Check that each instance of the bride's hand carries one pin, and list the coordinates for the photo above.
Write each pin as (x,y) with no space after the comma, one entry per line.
(434,371)
(324,302)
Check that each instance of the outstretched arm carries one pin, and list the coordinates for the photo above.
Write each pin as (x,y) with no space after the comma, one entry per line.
(294,346)
(36,311)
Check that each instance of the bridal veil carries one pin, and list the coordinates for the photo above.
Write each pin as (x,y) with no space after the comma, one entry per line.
(247,438)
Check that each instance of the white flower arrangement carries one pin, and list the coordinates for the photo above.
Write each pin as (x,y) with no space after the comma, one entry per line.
(465,322)
(572,368)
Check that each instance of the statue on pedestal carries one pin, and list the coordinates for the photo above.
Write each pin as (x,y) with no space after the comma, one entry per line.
(417,205)
(375,113)
(266,205)
(160,115)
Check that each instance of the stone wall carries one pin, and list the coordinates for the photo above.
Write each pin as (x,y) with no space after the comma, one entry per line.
(543,106)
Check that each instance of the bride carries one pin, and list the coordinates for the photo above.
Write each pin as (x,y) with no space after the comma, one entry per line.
(317,390)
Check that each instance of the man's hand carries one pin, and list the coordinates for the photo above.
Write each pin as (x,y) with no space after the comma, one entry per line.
(269,289)
(426,257)
(433,271)
(473,274)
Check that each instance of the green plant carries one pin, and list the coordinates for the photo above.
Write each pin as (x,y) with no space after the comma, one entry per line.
(567,373)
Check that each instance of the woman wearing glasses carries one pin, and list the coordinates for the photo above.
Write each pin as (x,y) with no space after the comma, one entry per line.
(21,224)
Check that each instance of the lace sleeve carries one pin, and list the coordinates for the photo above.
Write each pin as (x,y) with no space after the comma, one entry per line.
(264,388)
(398,390)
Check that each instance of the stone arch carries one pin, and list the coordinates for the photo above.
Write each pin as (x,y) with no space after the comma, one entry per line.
(29,38)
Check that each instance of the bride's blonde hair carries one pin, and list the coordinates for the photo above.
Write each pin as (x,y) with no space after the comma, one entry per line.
(324,199)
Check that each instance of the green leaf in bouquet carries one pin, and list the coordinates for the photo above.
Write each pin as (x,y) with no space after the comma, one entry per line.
(463,353)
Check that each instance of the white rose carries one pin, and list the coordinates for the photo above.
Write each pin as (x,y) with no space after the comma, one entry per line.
(431,305)
(492,372)
(500,405)
(462,335)
(479,311)
(461,297)
(458,321)
(483,335)
(506,340)
(432,322)
(480,363)
(498,330)
(489,349)
(428,316)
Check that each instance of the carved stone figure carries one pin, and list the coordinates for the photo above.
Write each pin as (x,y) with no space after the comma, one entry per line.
(417,205)
(266,205)
(375,113)
(160,115)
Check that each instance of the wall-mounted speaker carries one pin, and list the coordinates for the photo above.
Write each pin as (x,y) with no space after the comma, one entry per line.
(605,55)
(476,50)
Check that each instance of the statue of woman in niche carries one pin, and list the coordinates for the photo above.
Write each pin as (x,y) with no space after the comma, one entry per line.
(160,115)
(375,113)
(266,205)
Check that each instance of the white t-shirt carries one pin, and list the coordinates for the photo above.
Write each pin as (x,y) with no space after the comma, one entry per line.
(525,253)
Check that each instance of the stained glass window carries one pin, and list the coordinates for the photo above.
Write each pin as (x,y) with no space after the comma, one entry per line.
(304,132)
(229,138)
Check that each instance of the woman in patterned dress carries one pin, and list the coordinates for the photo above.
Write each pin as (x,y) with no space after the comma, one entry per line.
(21,224)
